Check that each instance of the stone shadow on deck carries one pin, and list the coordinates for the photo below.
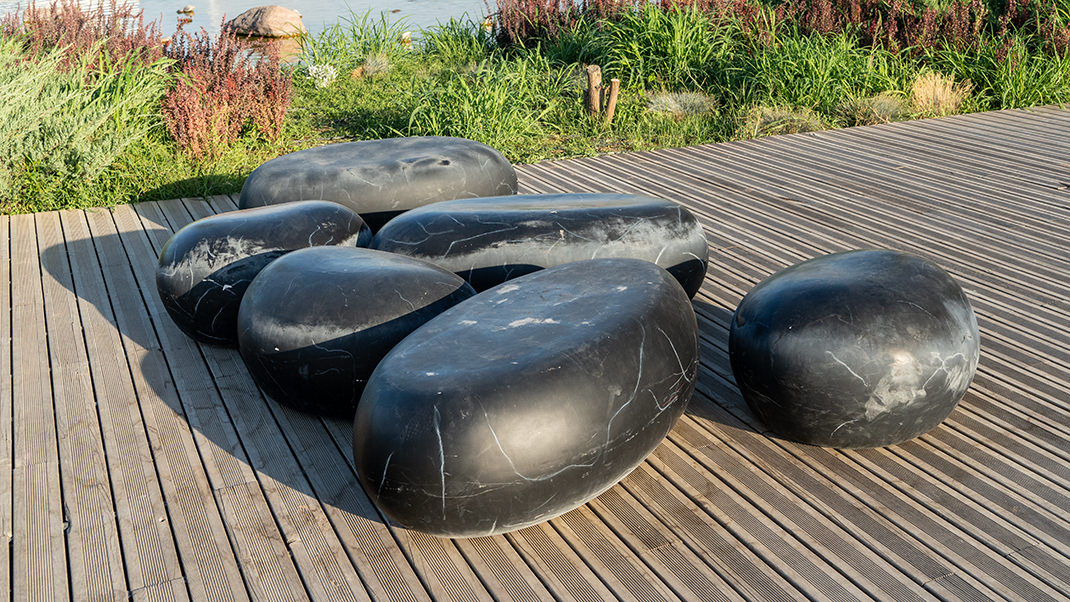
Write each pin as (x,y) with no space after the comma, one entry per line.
(211,390)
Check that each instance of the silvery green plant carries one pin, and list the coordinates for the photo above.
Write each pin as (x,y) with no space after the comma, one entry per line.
(322,74)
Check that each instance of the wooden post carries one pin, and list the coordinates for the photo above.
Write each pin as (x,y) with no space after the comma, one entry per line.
(611,104)
(594,89)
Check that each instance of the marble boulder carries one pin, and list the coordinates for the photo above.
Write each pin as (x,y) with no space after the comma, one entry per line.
(487,241)
(857,349)
(528,399)
(315,323)
(380,179)
(205,268)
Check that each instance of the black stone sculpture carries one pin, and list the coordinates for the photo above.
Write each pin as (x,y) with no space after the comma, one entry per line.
(381,178)
(487,241)
(205,267)
(527,400)
(857,349)
(314,323)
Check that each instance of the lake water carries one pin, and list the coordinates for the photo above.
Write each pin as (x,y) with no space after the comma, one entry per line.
(315,13)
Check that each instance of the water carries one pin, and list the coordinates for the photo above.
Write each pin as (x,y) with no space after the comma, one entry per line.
(316,14)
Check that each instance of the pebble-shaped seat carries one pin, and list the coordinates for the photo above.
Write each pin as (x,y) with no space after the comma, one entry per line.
(205,268)
(857,349)
(490,240)
(528,399)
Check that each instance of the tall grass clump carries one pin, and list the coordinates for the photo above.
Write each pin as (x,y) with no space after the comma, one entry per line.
(223,92)
(503,104)
(654,47)
(457,42)
(347,44)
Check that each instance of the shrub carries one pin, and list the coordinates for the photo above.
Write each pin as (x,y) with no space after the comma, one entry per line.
(870,110)
(92,37)
(221,90)
(66,115)
(772,121)
(936,94)
(680,104)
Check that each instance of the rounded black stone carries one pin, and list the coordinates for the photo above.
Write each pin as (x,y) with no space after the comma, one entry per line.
(205,267)
(856,349)
(527,400)
(314,324)
(487,241)
(381,178)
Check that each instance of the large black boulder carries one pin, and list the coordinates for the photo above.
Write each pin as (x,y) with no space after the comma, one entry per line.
(527,400)
(856,349)
(206,266)
(487,241)
(381,178)
(314,324)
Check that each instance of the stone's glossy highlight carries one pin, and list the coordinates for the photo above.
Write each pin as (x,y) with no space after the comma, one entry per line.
(487,241)
(206,266)
(528,399)
(856,349)
(314,324)
(381,178)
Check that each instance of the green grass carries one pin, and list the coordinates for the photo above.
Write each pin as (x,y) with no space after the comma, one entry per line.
(526,101)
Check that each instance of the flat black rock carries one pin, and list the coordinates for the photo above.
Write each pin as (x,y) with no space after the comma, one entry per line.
(381,178)
(487,241)
(314,324)
(205,267)
(856,349)
(527,400)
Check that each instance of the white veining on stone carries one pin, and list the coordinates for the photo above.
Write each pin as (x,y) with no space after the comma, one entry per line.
(386,465)
(841,362)
(441,458)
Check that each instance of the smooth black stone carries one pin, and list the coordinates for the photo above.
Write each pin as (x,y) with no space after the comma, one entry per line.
(206,267)
(487,241)
(380,179)
(855,349)
(314,324)
(527,400)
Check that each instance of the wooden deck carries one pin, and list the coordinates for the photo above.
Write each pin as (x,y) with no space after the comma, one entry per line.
(145,466)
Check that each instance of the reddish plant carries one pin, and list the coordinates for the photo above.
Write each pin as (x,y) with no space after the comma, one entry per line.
(223,88)
(118,27)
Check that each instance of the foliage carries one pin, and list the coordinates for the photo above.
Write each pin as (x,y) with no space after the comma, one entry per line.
(870,110)
(347,44)
(693,71)
(222,90)
(64,121)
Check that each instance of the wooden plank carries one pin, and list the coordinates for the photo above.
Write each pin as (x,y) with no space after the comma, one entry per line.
(269,571)
(149,554)
(207,557)
(564,574)
(95,561)
(506,573)
(600,549)
(318,553)
(6,464)
(690,577)
(38,547)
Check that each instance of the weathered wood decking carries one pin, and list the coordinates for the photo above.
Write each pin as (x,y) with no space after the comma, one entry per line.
(143,465)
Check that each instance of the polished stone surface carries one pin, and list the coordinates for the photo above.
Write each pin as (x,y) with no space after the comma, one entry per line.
(856,349)
(487,241)
(315,323)
(206,266)
(381,178)
(528,399)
